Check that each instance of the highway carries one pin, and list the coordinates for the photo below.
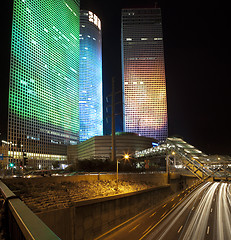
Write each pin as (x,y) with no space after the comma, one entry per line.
(199,212)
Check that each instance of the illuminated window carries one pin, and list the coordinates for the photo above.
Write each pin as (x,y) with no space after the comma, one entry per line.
(94,19)
(145,100)
(90,88)
(43,91)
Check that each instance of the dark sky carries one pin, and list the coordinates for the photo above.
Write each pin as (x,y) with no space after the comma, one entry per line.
(196,39)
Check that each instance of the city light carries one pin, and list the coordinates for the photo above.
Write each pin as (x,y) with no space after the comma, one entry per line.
(94,19)
(11,165)
(43,86)
(126,156)
(90,81)
(145,100)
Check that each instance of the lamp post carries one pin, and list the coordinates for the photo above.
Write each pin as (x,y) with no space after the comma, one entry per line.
(174,158)
(125,157)
(113,148)
(167,160)
(113,114)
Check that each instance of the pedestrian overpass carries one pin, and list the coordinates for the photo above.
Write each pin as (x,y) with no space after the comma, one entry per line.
(179,153)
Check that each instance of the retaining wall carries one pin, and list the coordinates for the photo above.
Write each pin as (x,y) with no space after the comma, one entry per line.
(90,218)
(157,179)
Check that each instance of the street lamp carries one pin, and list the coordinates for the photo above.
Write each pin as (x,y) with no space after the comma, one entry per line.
(11,165)
(125,157)
(174,158)
(167,160)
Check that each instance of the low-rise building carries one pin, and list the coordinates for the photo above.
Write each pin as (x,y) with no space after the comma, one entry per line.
(100,147)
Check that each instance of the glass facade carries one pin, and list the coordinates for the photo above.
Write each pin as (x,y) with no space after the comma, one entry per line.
(143,72)
(90,76)
(44,79)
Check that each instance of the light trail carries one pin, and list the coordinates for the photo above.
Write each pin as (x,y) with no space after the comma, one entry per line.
(214,204)
(205,213)
(197,227)
(175,215)
(223,214)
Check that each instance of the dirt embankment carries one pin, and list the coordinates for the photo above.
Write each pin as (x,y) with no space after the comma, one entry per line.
(41,197)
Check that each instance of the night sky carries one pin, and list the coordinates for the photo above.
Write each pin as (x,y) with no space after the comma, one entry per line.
(196,39)
(196,59)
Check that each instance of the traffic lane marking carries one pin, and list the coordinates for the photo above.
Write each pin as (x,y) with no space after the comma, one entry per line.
(134,228)
(180,228)
(152,214)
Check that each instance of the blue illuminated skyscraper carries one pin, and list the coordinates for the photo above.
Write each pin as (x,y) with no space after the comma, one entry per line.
(90,76)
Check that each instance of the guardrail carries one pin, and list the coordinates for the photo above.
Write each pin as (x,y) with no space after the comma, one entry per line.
(22,223)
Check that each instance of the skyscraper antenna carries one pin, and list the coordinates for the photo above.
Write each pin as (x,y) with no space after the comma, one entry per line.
(156,4)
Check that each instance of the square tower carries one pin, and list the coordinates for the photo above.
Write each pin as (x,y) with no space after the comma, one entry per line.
(143,73)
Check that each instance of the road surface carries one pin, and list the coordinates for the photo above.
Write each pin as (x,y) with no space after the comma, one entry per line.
(200,213)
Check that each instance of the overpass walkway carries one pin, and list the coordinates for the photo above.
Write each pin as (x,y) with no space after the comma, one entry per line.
(197,162)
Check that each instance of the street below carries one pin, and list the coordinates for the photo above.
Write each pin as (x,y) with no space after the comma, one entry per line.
(198,213)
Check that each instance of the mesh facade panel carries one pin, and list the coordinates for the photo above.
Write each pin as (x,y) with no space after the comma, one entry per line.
(44,75)
(90,76)
(143,72)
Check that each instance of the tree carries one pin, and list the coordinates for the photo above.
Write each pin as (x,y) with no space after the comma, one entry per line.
(56,164)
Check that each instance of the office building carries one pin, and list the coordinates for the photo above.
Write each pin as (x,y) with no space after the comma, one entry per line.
(99,147)
(90,76)
(143,73)
(43,112)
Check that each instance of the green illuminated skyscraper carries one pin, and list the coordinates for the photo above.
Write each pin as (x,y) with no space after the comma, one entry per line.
(43,113)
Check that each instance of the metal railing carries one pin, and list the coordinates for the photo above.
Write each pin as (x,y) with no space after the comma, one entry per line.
(22,223)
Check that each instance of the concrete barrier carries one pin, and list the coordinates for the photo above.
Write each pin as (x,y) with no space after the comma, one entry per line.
(91,218)
(157,179)
(20,222)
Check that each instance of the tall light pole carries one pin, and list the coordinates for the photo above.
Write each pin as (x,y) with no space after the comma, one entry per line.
(112,115)
(174,158)
(125,157)
(113,121)
(167,160)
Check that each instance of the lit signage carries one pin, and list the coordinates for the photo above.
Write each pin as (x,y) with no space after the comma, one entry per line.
(94,19)
(154,144)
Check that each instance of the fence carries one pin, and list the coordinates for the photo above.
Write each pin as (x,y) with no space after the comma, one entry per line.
(21,222)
